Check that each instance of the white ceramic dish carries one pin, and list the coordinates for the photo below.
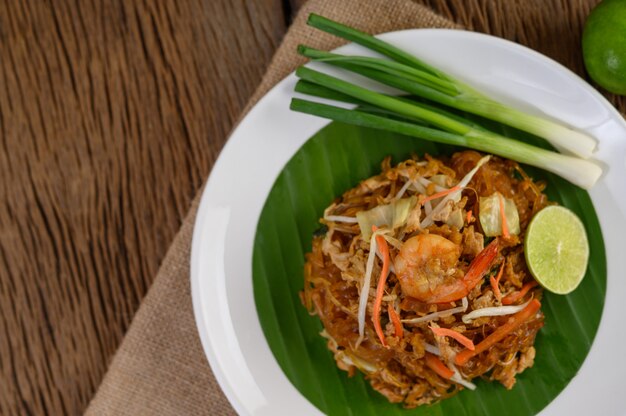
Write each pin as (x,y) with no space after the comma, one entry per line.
(221,261)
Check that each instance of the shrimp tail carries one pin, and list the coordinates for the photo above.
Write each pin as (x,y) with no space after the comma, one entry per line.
(477,270)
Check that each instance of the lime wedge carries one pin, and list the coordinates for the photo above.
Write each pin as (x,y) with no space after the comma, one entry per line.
(556,249)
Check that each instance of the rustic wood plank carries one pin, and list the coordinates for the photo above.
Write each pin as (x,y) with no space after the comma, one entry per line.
(111,115)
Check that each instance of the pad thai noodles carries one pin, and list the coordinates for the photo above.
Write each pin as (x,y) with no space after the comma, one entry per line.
(419,279)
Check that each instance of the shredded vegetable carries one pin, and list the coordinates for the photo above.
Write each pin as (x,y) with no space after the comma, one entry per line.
(431,349)
(438,315)
(458,378)
(380,289)
(438,366)
(428,220)
(395,319)
(505,228)
(425,182)
(495,283)
(492,311)
(365,287)
(402,190)
(341,218)
(441,194)
(498,216)
(462,339)
(391,215)
(515,296)
(513,323)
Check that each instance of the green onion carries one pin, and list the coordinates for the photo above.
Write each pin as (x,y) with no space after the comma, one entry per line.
(580,172)
(396,105)
(370,67)
(414,76)
(309,88)
(370,42)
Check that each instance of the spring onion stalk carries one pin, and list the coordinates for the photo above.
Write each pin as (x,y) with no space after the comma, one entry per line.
(413,110)
(390,67)
(583,173)
(370,42)
(410,74)
(309,88)
(587,167)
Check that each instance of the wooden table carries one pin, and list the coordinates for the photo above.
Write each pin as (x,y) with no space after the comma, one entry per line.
(111,116)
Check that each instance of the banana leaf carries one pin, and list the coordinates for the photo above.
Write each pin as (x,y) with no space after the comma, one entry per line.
(328,164)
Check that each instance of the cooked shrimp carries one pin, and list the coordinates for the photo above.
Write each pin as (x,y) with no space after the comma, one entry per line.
(427,268)
(425,263)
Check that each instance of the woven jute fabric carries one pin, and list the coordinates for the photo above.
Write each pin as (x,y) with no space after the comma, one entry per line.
(160,367)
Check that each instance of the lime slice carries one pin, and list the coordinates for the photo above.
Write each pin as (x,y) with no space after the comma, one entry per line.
(557,250)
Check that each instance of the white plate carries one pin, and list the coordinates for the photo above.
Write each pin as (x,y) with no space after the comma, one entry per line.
(221,260)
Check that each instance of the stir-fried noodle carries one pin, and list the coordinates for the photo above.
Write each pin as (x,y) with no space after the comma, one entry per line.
(445,263)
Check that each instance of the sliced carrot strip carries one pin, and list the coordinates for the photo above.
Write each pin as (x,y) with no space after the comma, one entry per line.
(500,271)
(438,366)
(440,194)
(468,218)
(505,228)
(515,296)
(494,286)
(500,333)
(395,319)
(380,289)
(462,339)
(495,283)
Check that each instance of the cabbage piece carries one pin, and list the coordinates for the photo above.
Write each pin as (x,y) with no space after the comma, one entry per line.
(442,180)
(490,218)
(450,214)
(428,220)
(456,219)
(392,215)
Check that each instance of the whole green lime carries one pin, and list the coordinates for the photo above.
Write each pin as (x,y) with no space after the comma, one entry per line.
(604,45)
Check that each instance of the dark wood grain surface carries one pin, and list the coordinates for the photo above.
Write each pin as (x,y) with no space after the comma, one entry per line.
(111,116)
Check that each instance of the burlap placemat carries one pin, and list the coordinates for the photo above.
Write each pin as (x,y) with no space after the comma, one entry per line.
(160,367)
